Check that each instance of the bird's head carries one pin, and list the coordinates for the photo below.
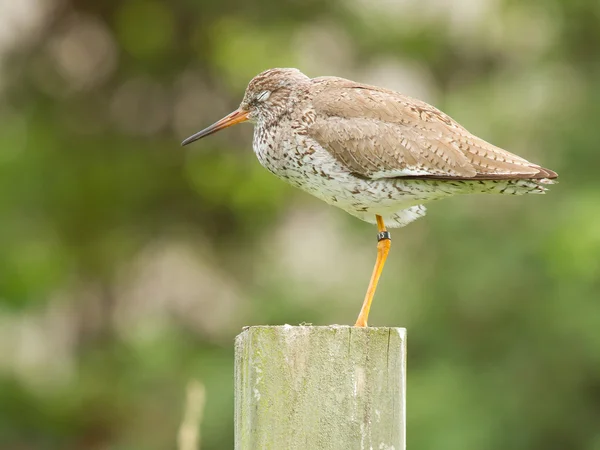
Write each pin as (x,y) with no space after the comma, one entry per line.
(267,96)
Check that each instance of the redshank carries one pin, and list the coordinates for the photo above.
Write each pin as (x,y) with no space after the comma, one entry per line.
(375,153)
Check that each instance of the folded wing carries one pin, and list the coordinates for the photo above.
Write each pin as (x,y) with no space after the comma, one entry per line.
(378,133)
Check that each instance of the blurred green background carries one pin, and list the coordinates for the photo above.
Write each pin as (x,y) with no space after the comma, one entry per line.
(128,264)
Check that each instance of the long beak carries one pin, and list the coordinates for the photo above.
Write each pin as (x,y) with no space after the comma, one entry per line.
(238,116)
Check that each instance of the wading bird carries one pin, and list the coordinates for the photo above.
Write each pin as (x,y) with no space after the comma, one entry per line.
(373,152)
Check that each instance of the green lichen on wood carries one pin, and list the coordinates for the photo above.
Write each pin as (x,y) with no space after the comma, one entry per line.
(320,388)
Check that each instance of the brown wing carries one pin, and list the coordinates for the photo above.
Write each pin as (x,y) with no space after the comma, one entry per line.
(378,133)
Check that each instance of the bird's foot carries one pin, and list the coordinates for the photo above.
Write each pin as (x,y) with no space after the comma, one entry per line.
(361,322)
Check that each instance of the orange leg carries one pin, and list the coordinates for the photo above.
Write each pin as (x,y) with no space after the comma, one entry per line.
(383,248)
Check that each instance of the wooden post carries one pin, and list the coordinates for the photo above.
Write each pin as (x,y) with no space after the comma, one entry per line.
(320,388)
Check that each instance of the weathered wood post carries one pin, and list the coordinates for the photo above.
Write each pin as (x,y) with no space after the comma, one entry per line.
(317,388)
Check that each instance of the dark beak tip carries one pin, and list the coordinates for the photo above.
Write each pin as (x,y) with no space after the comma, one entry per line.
(189,140)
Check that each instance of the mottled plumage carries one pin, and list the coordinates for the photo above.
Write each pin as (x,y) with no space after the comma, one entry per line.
(373,152)
(369,150)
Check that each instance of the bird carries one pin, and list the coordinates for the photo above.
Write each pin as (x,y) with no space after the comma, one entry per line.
(375,153)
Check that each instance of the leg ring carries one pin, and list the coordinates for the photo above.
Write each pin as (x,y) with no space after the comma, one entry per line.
(382,235)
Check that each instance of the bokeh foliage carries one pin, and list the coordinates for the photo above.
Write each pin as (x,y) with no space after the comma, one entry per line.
(127,265)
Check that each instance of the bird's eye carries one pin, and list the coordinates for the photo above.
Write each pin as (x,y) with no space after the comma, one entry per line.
(263,96)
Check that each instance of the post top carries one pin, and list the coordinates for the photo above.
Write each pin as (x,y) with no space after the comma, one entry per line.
(318,329)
